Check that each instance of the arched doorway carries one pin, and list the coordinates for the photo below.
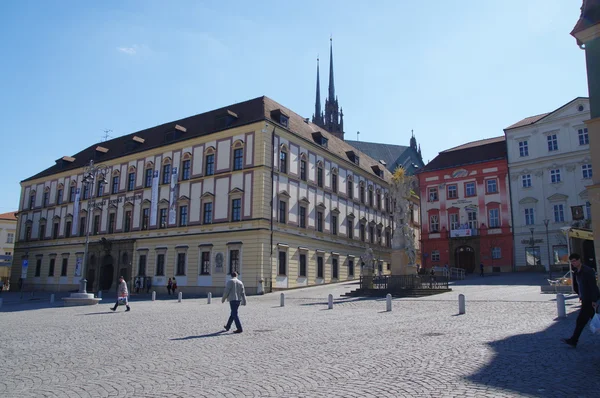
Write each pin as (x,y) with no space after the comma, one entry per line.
(91,273)
(465,258)
(107,272)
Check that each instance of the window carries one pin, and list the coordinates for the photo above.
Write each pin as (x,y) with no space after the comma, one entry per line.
(282,263)
(111,223)
(59,196)
(302,265)
(588,210)
(63,268)
(561,254)
(435,255)
(127,222)
(68,228)
(334,268)
(46,198)
(10,237)
(370,197)
(283,161)
(584,139)
(142,265)
(555,176)
(529,217)
(320,221)
(115,184)
(72,191)
(319,267)
(32,200)
(491,186)
(131,181)
(27,233)
(282,211)
(334,182)
(559,213)
(302,216)
(586,170)
(180,264)
(362,232)
(350,267)
(350,228)
(166,173)
(145,218)
(100,189)
(320,176)
(470,189)
(454,224)
(494,218)
(162,218)
(303,170)
(452,191)
(42,231)
(38,267)
(334,224)
(387,204)
(371,234)
(526,181)
(205,263)
(472,219)
(523,149)
(82,226)
(388,239)
(378,200)
(160,264)
(350,187)
(208,207)
(433,194)
(148,178)
(183,216)
(552,142)
(238,158)
(51,268)
(96,225)
(532,256)
(236,209)
(496,253)
(234,261)
(434,223)
(55,230)
(186,169)
(210,165)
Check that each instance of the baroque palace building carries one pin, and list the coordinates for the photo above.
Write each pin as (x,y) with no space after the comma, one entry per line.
(251,187)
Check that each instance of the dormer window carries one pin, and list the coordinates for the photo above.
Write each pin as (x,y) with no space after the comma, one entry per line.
(353,157)
(320,139)
(280,117)
(378,171)
(227,119)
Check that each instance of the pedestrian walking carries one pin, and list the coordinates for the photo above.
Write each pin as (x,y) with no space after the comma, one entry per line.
(174,287)
(588,293)
(148,285)
(236,295)
(169,286)
(481,269)
(137,285)
(122,295)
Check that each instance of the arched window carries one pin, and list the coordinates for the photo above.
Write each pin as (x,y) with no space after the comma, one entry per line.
(283,159)
(186,166)
(166,171)
(237,155)
(209,161)
(303,167)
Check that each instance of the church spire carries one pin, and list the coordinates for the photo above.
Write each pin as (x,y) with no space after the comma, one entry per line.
(318,115)
(331,85)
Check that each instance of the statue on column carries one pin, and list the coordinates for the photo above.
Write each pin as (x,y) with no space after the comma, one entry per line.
(403,239)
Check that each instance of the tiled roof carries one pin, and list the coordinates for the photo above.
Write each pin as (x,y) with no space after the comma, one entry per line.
(9,216)
(386,152)
(471,153)
(527,121)
(231,116)
(590,16)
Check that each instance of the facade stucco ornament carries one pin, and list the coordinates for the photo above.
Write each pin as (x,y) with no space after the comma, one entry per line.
(539,173)
(401,191)
(514,177)
(570,167)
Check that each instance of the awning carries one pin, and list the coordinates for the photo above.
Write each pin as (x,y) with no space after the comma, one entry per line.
(578,233)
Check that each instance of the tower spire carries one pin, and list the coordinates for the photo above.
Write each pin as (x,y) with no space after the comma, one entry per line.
(331,84)
(317,117)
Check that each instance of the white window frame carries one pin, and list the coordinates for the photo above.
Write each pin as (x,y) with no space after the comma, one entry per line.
(523,148)
(559,213)
(529,216)
(555,176)
(582,134)
(552,141)
(526,181)
(586,171)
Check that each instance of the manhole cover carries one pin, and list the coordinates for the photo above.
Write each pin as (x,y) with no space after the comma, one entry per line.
(433,334)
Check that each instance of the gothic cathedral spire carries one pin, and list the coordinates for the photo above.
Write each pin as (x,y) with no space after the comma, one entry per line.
(318,115)
(333,121)
(331,84)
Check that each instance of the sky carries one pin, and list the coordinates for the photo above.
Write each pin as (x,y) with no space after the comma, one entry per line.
(452,71)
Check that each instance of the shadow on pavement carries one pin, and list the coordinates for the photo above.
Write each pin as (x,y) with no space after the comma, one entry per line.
(219,333)
(517,279)
(99,313)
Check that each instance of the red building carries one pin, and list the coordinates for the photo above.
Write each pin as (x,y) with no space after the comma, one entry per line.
(465,208)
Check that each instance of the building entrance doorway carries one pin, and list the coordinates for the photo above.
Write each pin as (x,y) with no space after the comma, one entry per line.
(107,273)
(464,257)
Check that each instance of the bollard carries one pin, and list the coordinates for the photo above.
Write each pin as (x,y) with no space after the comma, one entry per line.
(52,298)
(209,298)
(154,296)
(330,301)
(282,300)
(461,304)
(560,305)
(100,294)
(180,296)
(388,302)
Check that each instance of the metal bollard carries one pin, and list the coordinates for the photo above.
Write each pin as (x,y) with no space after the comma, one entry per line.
(330,301)
(461,304)
(209,298)
(180,296)
(560,305)
(154,296)
(52,298)
(388,302)
(282,300)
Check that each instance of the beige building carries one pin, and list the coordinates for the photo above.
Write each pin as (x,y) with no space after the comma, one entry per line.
(8,231)
(252,187)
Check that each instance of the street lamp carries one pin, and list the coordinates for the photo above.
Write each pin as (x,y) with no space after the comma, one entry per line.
(91,173)
(546,222)
(532,247)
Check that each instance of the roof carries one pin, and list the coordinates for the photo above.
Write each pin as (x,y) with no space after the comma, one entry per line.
(11,216)
(534,119)
(590,16)
(388,153)
(471,153)
(203,124)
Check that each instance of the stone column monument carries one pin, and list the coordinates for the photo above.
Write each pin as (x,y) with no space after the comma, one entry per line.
(403,240)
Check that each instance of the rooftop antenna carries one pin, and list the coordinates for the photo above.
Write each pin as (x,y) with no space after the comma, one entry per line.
(106,135)
(357,134)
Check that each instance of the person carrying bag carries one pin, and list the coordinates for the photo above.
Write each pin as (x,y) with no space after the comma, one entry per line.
(122,295)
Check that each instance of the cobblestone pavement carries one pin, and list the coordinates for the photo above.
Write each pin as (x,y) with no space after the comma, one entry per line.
(506,345)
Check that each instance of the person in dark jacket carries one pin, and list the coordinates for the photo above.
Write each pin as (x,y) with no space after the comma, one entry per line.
(589,294)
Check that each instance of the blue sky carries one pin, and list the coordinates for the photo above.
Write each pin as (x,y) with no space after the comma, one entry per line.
(452,71)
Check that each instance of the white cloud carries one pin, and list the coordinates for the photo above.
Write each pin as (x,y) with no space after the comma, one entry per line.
(128,50)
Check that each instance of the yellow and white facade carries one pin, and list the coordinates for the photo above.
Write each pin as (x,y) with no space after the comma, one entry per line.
(252,187)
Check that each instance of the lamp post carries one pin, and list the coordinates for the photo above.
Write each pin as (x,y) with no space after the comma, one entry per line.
(532,247)
(91,173)
(546,222)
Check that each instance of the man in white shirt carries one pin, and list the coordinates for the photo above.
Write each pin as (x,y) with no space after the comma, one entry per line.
(236,295)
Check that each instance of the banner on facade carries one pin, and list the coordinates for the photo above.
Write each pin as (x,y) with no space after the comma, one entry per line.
(76,213)
(24,266)
(78,266)
(154,199)
(173,197)
(460,233)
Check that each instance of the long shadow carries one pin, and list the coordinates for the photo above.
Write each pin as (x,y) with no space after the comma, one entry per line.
(517,279)
(202,336)
(344,300)
(540,365)
(98,313)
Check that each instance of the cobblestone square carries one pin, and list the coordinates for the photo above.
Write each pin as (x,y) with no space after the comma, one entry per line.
(506,345)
